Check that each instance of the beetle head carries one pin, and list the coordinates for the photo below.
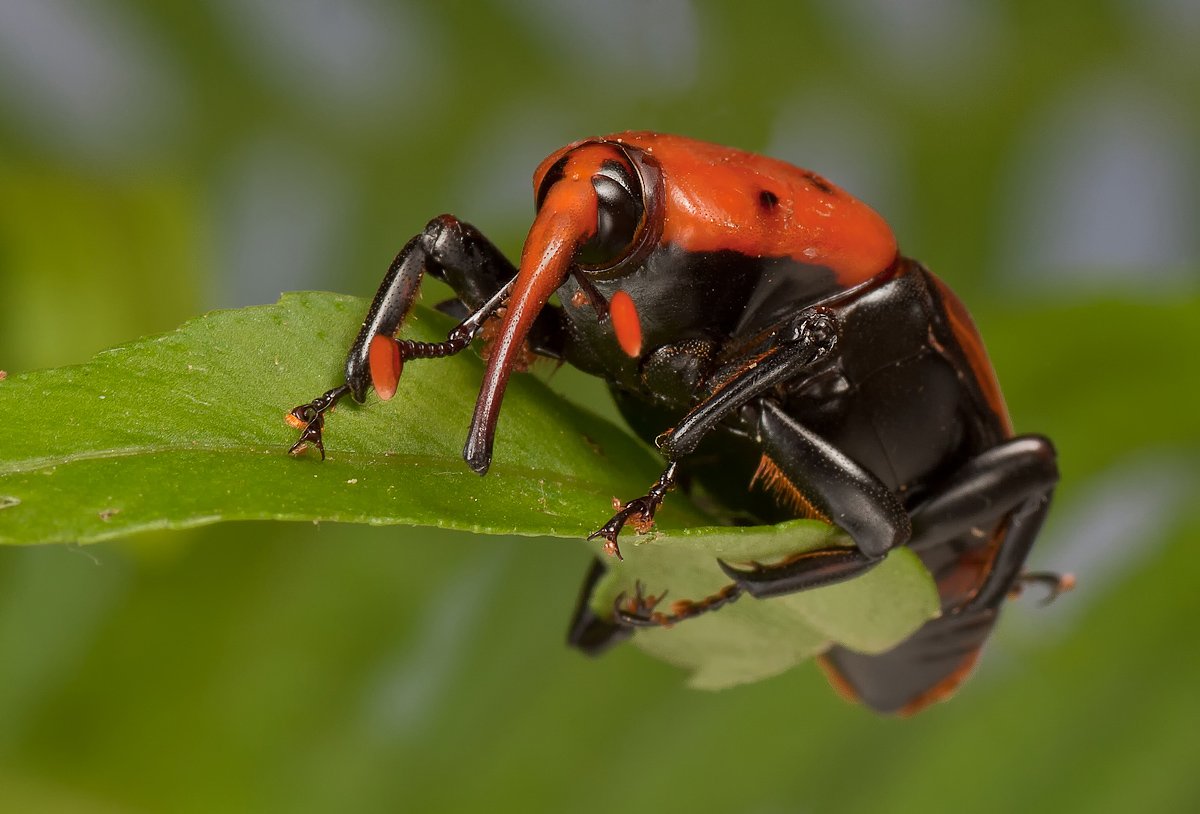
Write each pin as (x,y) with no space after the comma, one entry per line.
(596,202)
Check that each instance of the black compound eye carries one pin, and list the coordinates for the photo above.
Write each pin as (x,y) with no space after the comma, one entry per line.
(619,213)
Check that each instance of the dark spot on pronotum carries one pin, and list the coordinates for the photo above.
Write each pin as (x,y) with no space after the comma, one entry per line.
(768,199)
(818,182)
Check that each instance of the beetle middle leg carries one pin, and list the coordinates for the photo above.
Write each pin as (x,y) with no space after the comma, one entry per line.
(840,491)
(588,632)
(807,341)
(641,610)
(593,634)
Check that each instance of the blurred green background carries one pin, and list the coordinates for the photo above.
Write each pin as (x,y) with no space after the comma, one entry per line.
(161,159)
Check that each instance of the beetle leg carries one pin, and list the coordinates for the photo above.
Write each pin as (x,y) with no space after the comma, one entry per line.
(812,338)
(838,489)
(641,611)
(588,632)
(1055,584)
(593,634)
(310,420)
(639,511)
(1013,480)
(481,276)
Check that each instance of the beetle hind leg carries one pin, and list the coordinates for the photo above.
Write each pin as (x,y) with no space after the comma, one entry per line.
(1011,482)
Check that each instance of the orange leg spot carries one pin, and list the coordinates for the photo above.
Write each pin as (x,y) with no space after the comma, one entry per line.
(386,365)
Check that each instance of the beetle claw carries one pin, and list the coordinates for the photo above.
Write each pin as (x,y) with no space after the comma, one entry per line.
(310,420)
(737,574)
(638,513)
(1056,584)
(640,611)
(609,532)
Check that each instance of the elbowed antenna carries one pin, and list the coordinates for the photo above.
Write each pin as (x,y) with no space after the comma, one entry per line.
(566,220)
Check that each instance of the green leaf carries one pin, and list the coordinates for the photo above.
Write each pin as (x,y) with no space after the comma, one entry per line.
(751,640)
(188,428)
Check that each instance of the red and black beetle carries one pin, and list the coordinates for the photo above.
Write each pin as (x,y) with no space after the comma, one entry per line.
(759,325)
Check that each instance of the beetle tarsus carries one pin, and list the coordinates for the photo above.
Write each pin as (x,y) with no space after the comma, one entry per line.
(641,610)
(310,420)
(638,512)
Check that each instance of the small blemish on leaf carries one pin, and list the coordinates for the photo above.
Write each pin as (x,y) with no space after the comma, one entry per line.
(3,375)
(352,481)
(107,514)
(8,501)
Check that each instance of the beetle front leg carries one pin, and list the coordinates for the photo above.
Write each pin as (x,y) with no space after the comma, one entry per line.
(310,420)
(481,276)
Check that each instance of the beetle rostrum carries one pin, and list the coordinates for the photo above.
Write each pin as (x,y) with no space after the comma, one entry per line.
(761,327)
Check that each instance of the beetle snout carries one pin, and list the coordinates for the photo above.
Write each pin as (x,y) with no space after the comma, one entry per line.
(565,222)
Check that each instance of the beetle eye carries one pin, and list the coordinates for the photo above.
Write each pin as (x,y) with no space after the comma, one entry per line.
(618,216)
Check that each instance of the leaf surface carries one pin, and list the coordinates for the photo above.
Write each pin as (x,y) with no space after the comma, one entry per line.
(188,428)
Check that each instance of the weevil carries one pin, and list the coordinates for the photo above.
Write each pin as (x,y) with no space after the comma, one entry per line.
(759,325)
